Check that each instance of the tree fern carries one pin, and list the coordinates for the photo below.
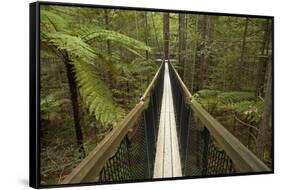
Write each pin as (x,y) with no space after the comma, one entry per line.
(96,94)
(88,62)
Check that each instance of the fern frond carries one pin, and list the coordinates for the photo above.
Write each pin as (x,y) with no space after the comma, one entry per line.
(232,97)
(96,94)
(120,39)
(75,46)
(250,111)
(206,93)
(51,22)
(137,66)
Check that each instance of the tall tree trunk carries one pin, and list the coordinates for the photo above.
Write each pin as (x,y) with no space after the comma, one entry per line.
(166,35)
(75,106)
(106,21)
(186,67)
(193,67)
(242,53)
(155,33)
(200,50)
(146,35)
(182,57)
(266,116)
(137,25)
(209,55)
(261,70)
(203,49)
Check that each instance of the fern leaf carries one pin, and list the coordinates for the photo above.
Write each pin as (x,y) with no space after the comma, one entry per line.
(75,46)
(51,22)
(232,97)
(96,94)
(118,38)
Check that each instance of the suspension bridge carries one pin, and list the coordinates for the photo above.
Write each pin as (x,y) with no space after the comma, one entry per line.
(167,134)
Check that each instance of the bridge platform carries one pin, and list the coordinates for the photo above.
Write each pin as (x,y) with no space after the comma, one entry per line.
(167,160)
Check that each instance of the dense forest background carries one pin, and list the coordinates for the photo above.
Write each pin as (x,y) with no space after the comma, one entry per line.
(96,63)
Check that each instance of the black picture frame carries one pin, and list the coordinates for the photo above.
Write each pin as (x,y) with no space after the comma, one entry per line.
(34,93)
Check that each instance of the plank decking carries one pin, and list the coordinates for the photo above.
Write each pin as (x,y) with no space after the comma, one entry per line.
(167,159)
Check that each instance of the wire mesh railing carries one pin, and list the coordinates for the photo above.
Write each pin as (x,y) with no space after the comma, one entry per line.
(128,151)
(199,153)
(206,147)
(134,158)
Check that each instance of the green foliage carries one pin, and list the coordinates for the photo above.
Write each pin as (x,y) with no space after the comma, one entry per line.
(49,107)
(207,98)
(233,97)
(96,94)
(88,61)
(249,111)
(242,104)
(206,93)
(118,38)
(138,66)
(51,22)
(73,45)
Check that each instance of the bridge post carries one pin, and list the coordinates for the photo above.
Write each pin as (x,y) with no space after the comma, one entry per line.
(148,134)
(206,139)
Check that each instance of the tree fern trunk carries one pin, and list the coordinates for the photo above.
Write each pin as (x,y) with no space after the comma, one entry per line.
(75,107)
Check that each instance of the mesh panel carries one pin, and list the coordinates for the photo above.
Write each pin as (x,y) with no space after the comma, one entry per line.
(199,153)
(134,158)
(117,168)
(193,165)
(219,162)
(138,154)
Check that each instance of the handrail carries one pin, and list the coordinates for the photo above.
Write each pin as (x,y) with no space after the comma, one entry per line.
(89,169)
(241,156)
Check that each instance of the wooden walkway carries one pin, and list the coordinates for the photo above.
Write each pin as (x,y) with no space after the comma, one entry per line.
(167,159)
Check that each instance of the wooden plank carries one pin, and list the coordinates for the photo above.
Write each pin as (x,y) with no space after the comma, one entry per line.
(177,170)
(176,162)
(242,157)
(158,164)
(160,147)
(167,160)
